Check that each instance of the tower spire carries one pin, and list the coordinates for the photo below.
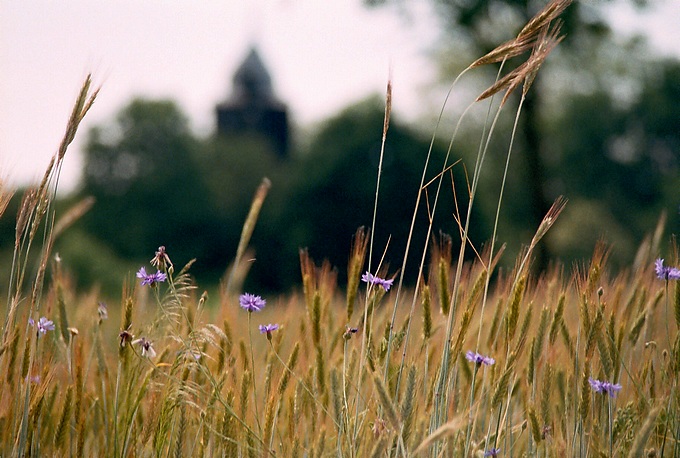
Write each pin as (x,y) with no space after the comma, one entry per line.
(253,107)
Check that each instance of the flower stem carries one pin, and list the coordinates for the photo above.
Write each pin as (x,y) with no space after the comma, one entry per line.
(252,362)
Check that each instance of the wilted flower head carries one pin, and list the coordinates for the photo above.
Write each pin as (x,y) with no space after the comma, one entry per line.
(43,325)
(374,280)
(349,331)
(161,260)
(379,427)
(479,359)
(125,336)
(147,349)
(604,387)
(151,279)
(268,329)
(102,311)
(666,273)
(251,302)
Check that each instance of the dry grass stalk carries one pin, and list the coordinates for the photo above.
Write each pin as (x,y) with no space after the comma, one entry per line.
(531,370)
(229,427)
(638,447)
(269,419)
(72,215)
(316,319)
(546,391)
(557,319)
(544,17)
(355,267)
(246,381)
(676,305)
(62,426)
(524,330)
(533,422)
(292,362)
(450,428)
(320,370)
(6,194)
(10,371)
(501,390)
(386,402)
(408,403)
(507,50)
(513,306)
(247,231)
(526,72)
(636,328)
(584,404)
(441,264)
(427,312)
(540,333)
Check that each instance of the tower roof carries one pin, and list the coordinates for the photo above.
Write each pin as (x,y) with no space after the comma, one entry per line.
(252,83)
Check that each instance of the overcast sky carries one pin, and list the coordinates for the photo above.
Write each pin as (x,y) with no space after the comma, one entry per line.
(322,54)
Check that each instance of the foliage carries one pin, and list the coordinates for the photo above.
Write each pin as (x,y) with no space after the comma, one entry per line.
(192,194)
(334,190)
(143,175)
(593,98)
(620,166)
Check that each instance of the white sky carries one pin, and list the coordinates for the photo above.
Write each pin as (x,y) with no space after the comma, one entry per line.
(322,55)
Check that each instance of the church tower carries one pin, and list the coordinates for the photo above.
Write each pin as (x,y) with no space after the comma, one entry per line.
(252,106)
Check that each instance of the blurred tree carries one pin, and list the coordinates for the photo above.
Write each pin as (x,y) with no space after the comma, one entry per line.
(475,27)
(621,165)
(149,192)
(334,190)
(591,77)
(232,169)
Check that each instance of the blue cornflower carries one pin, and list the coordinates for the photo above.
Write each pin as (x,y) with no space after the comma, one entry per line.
(479,359)
(604,387)
(374,280)
(268,329)
(151,279)
(492,452)
(43,325)
(666,273)
(251,302)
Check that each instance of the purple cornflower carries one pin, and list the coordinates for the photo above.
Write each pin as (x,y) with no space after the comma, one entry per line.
(374,280)
(479,359)
(251,302)
(147,349)
(151,279)
(666,273)
(604,387)
(268,329)
(492,452)
(43,325)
